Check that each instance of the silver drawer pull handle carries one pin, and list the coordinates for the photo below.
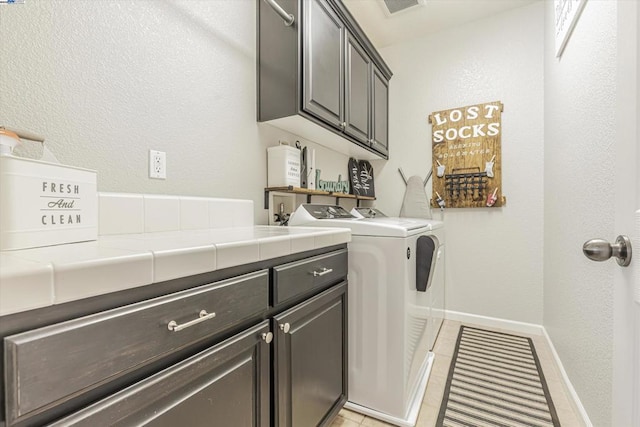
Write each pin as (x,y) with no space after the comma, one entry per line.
(173,325)
(323,272)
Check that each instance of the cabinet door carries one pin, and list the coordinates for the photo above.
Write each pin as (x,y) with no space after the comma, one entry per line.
(227,385)
(357,92)
(380,128)
(323,63)
(311,360)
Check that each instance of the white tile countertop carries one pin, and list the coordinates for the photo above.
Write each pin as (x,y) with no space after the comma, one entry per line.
(40,277)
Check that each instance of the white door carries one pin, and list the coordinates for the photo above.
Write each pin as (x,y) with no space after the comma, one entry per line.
(626,326)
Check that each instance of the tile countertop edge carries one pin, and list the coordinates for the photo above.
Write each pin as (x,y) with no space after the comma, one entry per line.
(24,285)
(40,277)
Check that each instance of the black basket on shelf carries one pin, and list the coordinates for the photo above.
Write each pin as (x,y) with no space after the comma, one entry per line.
(466,184)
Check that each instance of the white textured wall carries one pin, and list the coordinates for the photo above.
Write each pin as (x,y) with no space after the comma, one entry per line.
(579,195)
(105,81)
(494,256)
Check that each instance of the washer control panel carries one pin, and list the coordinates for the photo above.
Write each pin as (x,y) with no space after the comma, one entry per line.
(368,213)
(327,211)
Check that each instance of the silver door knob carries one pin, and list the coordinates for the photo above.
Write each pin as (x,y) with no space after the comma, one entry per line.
(601,250)
(285,327)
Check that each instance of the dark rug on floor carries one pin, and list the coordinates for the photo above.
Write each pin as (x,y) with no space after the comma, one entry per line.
(495,380)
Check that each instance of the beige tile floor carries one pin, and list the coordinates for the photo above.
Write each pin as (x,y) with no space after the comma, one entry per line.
(443,350)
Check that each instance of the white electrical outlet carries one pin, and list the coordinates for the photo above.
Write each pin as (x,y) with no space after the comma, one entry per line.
(157,164)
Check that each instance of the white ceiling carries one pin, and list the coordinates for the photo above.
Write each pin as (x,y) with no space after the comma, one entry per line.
(430,17)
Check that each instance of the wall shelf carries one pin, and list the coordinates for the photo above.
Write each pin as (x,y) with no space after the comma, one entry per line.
(305,191)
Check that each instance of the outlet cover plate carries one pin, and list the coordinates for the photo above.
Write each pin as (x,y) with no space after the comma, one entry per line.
(157,164)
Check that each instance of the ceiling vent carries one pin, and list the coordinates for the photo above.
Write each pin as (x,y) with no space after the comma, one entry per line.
(395,6)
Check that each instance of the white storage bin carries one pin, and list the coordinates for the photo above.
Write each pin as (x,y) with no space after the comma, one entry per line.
(45,204)
(283,166)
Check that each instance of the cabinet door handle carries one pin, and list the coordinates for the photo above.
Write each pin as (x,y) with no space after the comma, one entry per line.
(267,337)
(323,272)
(285,327)
(202,316)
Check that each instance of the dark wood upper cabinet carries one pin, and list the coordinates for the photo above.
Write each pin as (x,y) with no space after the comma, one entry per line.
(322,79)
(380,113)
(357,92)
(323,58)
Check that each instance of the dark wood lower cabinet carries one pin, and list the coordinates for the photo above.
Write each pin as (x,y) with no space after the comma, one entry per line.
(311,360)
(266,347)
(227,385)
(50,366)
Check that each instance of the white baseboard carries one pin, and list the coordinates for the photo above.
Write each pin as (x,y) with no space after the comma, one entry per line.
(531,329)
(568,387)
(494,322)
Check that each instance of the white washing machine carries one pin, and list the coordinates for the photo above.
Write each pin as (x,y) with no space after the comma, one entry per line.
(396,306)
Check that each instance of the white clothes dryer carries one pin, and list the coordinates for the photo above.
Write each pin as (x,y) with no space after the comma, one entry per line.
(396,306)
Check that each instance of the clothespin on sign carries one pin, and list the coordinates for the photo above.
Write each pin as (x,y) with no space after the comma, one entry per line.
(440,201)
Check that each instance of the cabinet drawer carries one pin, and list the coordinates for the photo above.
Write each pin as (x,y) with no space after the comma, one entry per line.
(226,385)
(48,366)
(300,277)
